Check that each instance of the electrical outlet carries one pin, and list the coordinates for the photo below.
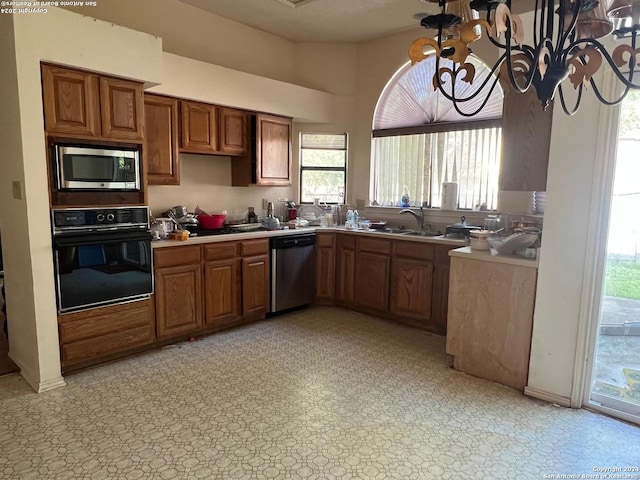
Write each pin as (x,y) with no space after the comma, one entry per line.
(265,203)
(18,190)
(283,200)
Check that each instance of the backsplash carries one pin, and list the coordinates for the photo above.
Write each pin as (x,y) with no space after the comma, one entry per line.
(205,181)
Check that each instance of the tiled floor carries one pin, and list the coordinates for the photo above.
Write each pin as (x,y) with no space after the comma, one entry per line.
(319,394)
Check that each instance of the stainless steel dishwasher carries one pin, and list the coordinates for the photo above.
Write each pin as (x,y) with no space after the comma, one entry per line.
(292,271)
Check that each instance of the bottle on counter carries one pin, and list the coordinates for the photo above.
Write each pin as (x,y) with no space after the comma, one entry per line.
(251,215)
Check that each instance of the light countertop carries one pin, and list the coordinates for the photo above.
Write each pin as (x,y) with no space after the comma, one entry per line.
(442,240)
(492,256)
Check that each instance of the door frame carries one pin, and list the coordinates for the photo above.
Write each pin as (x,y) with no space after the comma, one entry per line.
(595,261)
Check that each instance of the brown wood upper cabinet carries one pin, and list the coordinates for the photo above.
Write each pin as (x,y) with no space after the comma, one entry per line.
(526,136)
(199,122)
(83,104)
(269,161)
(234,126)
(161,137)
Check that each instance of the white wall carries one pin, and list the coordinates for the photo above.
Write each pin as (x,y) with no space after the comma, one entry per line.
(26,232)
(194,33)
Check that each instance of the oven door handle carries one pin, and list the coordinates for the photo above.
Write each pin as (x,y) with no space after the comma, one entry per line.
(93,238)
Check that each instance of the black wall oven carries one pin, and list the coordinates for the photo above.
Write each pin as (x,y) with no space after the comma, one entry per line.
(101,256)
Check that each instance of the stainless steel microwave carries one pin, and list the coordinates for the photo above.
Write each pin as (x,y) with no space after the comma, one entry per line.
(97,168)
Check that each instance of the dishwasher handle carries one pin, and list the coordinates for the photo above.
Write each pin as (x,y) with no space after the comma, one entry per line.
(293,241)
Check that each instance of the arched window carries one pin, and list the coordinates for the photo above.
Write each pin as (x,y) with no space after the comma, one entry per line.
(420,140)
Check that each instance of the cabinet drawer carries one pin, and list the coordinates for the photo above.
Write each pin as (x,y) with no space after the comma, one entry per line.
(221,251)
(103,321)
(408,249)
(325,239)
(375,245)
(347,241)
(254,247)
(172,256)
(91,348)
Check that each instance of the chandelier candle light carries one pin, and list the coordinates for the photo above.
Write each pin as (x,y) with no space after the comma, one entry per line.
(565,45)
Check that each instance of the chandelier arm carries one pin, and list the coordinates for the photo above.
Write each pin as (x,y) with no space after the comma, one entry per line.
(612,64)
(563,37)
(451,97)
(563,103)
(536,35)
(609,103)
(484,102)
(512,78)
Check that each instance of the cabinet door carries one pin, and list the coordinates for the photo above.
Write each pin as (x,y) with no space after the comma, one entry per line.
(325,268)
(273,162)
(199,127)
(526,136)
(371,282)
(122,108)
(345,266)
(233,131)
(70,101)
(222,291)
(178,300)
(411,285)
(255,286)
(161,140)
(440,299)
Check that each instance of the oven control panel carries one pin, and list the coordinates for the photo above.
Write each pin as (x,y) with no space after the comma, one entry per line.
(74,219)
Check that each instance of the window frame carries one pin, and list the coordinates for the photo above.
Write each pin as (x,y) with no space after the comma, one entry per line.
(430,128)
(344,169)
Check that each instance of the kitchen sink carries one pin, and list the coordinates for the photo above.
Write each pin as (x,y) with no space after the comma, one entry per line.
(423,233)
(412,233)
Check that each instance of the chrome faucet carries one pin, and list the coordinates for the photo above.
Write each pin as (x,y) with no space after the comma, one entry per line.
(419,217)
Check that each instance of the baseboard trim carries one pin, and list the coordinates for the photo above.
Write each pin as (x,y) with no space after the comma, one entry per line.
(33,381)
(547,396)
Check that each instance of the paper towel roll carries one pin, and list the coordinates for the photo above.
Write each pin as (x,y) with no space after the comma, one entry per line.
(449,196)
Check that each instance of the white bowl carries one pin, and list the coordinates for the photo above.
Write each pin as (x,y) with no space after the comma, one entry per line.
(509,245)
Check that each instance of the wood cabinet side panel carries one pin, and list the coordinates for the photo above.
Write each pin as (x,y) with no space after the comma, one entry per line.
(526,137)
(489,327)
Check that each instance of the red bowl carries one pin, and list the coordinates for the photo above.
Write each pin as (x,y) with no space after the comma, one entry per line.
(211,222)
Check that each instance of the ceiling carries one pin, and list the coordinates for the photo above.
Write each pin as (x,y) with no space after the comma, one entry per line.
(324,20)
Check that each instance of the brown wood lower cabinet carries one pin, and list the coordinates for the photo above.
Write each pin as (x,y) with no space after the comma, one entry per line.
(325,268)
(400,279)
(102,333)
(371,282)
(255,286)
(490,319)
(345,269)
(412,283)
(178,300)
(178,288)
(204,288)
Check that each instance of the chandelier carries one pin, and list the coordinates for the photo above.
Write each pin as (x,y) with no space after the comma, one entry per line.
(565,46)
